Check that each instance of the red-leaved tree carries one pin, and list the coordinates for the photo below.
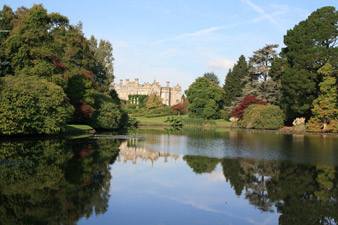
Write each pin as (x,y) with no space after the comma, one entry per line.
(245,103)
(83,112)
(179,108)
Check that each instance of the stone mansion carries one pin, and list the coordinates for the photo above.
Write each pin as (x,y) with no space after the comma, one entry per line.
(170,95)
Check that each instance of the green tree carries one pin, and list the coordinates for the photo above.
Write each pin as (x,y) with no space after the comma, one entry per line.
(107,114)
(212,77)
(104,69)
(309,45)
(233,82)
(325,106)
(30,48)
(201,164)
(60,181)
(31,105)
(154,101)
(6,25)
(258,81)
(206,99)
(260,62)
(80,87)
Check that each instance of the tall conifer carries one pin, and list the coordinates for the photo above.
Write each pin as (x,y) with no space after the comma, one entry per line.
(233,82)
(309,45)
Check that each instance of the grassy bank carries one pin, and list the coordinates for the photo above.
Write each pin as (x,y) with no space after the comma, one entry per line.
(159,121)
(72,128)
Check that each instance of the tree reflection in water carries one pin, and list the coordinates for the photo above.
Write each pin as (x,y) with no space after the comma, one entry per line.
(303,194)
(59,181)
(54,181)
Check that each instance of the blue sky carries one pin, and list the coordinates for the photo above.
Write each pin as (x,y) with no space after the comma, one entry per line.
(180,40)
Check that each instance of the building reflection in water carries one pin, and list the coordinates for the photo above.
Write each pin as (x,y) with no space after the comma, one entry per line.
(133,149)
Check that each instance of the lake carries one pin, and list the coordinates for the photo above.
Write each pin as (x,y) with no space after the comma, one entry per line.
(153,176)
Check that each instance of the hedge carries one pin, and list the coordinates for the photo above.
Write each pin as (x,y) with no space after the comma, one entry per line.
(268,117)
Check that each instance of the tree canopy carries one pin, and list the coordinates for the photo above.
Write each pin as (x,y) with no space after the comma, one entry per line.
(45,45)
(211,77)
(206,99)
(233,85)
(309,45)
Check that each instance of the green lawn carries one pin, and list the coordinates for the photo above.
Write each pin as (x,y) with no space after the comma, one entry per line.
(77,127)
(222,123)
(156,120)
(160,120)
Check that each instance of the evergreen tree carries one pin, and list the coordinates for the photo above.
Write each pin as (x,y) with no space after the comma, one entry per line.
(233,82)
(258,82)
(309,45)
(260,62)
(325,106)
(212,77)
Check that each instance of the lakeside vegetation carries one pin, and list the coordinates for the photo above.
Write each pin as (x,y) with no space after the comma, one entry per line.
(78,128)
(52,75)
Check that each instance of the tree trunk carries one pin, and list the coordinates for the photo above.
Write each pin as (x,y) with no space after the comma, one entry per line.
(325,125)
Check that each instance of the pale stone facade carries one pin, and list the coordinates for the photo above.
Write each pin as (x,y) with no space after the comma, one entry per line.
(132,150)
(170,95)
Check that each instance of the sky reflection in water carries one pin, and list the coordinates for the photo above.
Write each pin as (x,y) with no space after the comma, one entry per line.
(181,179)
(155,177)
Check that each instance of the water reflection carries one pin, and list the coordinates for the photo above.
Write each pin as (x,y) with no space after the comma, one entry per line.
(132,149)
(54,181)
(182,178)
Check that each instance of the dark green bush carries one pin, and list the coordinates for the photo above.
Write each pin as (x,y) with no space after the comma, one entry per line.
(107,114)
(175,122)
(268,117)
(162,111)
(31,105)
(133,122)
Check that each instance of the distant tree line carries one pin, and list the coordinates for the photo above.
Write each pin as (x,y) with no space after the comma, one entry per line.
(51,74)
(301,80)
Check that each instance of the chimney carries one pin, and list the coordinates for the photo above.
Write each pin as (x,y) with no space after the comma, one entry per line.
(136,80)
(127,81)
(121,82)
(167,83)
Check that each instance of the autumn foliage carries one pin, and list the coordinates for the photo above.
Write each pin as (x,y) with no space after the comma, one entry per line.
(179,108)
(83,112)
(245,103)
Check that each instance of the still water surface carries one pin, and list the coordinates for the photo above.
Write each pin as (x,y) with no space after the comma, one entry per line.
(150,176)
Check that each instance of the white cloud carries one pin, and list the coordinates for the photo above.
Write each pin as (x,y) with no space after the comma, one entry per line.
(218,63)
(216,175)
(192,34)
(261,12)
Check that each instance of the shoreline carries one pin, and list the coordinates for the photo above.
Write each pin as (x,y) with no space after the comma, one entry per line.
(284,130)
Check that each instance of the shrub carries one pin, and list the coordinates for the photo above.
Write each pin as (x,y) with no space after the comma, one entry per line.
(234,122)
(162,111)
(107,114)
(299,125)
(179,108)
(31,105)
(133,122)
(82,113)
(245,103)
(333,126)
(175,122)
(263,117)
(314,125)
